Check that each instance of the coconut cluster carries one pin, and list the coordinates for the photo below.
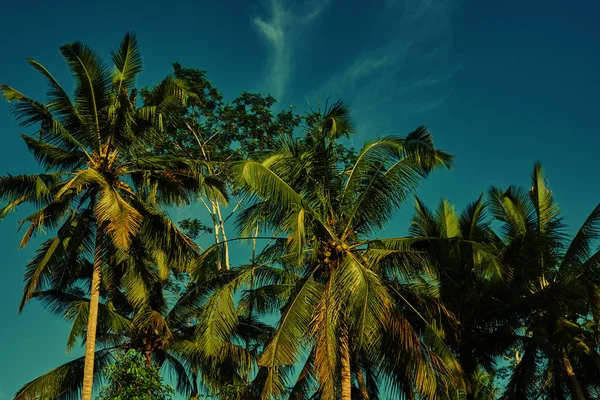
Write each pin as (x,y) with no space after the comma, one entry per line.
(332,252)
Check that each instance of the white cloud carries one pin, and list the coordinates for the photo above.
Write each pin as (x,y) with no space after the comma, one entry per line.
(280,31)
(365,67)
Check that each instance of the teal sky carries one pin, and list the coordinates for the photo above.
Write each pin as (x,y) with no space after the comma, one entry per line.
(500,84)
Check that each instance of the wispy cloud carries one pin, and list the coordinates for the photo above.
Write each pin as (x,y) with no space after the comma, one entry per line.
(280,32)
(407,70)
(362,68)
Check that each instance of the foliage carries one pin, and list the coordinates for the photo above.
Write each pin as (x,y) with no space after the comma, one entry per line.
(165,326)
(555,293)
(218,133)
(495,292)
(193,227)
(131,378)
(212,129)
(101,192)
(342,302)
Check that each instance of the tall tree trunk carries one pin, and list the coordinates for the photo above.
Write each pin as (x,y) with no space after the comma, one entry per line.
(90,344)
(224,236)
(572,381)
(465,357)
(194,394)
(216,227)
(360,377)
(346,374)
(148,356)
(247,376)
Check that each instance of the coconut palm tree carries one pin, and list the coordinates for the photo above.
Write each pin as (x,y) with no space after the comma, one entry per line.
(100,187)
(161,326)
(470,277)
(338,311)
(555,293)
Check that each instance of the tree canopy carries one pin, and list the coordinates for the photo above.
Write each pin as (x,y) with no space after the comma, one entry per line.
(130,378)
(492,301)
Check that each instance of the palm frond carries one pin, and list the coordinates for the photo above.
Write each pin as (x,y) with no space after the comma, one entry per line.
(423,223)
(109,322)
(53,157)
(65,381)
(261,180)
(447,220)
(357,287)
(286,344)
(59,99)
(542,199)
(37,189)
(179,373)
(128,62)
(297,314)
(513,208)
(473,222)
(580,248)
(305,383)
(121,220)
(92,86)
(385,174)
(160,233)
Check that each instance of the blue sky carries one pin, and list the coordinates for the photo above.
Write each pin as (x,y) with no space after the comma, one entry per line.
(500,84)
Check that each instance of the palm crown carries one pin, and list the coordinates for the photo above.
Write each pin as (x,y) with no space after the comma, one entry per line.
(555,292)
(326,206)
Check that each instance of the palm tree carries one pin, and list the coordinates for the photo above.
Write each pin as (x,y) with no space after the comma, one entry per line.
(161,326)
(470,276)
(100,187)
(338,309)
(555,293)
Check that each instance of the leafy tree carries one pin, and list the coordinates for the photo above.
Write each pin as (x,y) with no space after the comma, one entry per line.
(470,276)
(219,133)
(534,303)
(130,378)
(555,292)
(162,327)
(423,316)
(193,227)
(338,289)
(101,189)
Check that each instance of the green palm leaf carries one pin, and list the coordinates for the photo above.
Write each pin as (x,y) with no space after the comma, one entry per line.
(128,62)
(92,87)
(64,382)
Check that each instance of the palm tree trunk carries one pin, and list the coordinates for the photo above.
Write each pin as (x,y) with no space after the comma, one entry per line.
(467,363)
(148,357)
(224,236)
(346,375)
(90,344)
(360,377)
(194,394)
(572,381)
